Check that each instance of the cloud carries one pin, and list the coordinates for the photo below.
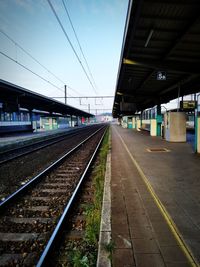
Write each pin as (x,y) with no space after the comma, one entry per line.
(32,6)
(4,22)
(27,5)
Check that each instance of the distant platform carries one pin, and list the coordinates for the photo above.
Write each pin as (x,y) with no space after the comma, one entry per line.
(20,138)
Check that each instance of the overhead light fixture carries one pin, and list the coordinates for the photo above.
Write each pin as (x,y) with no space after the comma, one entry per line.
(149,37)
(129,62)
(119,93)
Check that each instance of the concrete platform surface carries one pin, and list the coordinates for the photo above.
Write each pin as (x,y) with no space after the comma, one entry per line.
(155,201)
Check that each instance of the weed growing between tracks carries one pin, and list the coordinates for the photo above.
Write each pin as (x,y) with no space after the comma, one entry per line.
(84,254)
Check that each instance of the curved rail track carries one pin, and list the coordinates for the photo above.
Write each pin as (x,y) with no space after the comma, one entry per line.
(32,217)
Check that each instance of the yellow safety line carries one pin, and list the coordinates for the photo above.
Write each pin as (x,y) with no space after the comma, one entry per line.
(164,212)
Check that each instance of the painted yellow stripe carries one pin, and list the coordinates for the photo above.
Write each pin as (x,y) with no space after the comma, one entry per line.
(164,212)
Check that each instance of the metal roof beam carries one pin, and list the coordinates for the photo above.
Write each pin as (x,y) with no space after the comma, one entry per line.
(129,96)
(136,10)
(145,80)
(157,29)
(174,66)
(163,18)
(181,35)
(181,82)
(176,2)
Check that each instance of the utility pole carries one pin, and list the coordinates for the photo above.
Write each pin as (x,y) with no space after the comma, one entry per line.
(88,108)
(65,94)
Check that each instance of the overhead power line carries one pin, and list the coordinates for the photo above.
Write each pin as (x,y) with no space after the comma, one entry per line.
(39,76)
(77,39)
(96,97)
(72,47)
(12,40)
(37,61)
(23,66)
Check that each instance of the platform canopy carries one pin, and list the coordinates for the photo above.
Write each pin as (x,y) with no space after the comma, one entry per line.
(160,54)
(13,96)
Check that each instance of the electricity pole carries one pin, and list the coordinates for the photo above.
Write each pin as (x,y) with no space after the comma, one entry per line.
(65,94)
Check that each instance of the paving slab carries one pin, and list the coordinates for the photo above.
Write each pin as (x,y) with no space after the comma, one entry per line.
(140,227)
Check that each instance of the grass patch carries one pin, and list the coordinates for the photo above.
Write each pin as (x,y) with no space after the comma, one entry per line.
(110,248)
(86,253)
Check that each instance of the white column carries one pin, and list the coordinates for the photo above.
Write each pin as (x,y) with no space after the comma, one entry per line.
(153,127)
(198,134)
(134,122)
(138,124)
(175,126)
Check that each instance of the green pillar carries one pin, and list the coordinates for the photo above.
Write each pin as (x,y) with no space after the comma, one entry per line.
(159,120)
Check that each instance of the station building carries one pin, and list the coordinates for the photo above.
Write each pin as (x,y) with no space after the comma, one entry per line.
(159,63)
(154,172)
(22,110)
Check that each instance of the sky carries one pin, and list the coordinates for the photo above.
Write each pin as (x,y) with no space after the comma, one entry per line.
(32,26)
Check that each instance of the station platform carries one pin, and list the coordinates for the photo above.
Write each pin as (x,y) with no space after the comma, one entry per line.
(155,201)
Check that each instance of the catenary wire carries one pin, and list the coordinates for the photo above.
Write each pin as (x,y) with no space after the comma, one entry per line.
(12,40)
(77,39)
(23,66)
(72,47)
(16,44)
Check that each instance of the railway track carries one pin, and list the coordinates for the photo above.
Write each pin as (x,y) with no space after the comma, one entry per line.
(21,151)
(19,170)
(32,217)
(73,241)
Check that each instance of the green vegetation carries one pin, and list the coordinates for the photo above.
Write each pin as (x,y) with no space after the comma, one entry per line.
(110,248)
(93,218)
(79,260)
(85,254)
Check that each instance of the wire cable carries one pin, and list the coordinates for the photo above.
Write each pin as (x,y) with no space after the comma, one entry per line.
(26,68)
(78,43)
(72,47)
(30,55)
(17,45)
(23,66)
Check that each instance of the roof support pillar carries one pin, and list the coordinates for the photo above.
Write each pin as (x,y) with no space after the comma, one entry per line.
(159,121)
(31,119)
(71,120)
(65,94)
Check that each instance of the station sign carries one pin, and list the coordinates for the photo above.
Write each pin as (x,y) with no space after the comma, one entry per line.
(188,105)
(127,107)
(161,76)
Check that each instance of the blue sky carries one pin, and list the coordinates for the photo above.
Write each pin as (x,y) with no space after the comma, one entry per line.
(99,25)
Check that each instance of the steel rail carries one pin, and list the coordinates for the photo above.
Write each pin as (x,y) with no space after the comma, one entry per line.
(62,137)
(38,177)
(45,257)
